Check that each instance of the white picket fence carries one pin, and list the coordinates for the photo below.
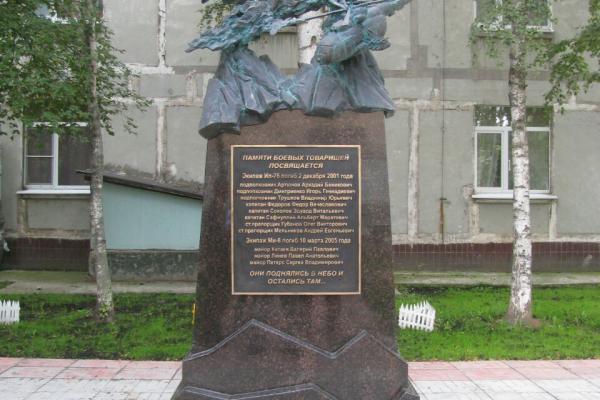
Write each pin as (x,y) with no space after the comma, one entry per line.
(417,316)
(9,312)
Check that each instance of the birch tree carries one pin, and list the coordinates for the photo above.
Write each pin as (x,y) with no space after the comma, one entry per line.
(309,34)
(62,73)
(509,27)
(98,255)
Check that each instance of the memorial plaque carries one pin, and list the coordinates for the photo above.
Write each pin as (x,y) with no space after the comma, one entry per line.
(295,220)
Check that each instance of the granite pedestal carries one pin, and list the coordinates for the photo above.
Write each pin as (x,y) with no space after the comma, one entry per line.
(297,347)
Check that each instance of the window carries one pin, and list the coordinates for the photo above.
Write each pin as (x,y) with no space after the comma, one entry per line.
(539,14)
(493,149)
(51,160)
(43,11)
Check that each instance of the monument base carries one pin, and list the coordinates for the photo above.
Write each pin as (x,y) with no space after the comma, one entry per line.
(287,347)
(295,370)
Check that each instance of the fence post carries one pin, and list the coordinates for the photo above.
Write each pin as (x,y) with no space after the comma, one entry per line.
(419,316)
(9,312)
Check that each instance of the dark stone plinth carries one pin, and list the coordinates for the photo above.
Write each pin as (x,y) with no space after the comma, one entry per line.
(297,347)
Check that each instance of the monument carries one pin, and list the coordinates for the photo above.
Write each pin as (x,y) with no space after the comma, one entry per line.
(295,296)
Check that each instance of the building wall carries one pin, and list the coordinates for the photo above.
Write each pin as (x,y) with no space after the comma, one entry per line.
(137,219)
(433,75)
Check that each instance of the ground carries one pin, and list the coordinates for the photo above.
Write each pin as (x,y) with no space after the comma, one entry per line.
(469,326)
(35,379)
(157,326)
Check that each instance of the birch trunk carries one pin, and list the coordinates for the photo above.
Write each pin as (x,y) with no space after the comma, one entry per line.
(309,34)
(98,256)
(520,306)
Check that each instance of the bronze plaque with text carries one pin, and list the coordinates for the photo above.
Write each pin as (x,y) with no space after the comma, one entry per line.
(295,220)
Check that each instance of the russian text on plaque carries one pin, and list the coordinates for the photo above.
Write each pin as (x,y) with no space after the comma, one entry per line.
(295,220)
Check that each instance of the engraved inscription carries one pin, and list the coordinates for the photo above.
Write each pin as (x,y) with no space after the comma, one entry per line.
(295,219)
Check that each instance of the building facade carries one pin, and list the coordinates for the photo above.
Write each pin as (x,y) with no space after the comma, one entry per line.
(448,143)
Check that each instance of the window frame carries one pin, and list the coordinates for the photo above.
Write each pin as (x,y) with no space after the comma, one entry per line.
(54,186)
(505,132)
(497,24)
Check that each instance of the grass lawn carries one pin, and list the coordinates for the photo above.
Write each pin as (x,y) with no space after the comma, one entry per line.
(4,284)
(158,327)
(470,325)
(148,327)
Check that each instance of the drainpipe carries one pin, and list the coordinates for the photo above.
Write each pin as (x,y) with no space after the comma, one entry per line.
(442,224)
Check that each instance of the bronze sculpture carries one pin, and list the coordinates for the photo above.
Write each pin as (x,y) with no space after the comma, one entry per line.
(342,76)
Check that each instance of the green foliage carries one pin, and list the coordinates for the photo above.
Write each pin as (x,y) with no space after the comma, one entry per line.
(572,71)
(45,72)
(104,312)
(503,23)
(470,325)
(213,13)
(35,68)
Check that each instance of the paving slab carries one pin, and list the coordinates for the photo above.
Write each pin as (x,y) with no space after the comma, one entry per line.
(39,379)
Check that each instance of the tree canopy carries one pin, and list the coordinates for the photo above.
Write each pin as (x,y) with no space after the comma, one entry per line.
(500,24)
(45,70)
(573,61)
